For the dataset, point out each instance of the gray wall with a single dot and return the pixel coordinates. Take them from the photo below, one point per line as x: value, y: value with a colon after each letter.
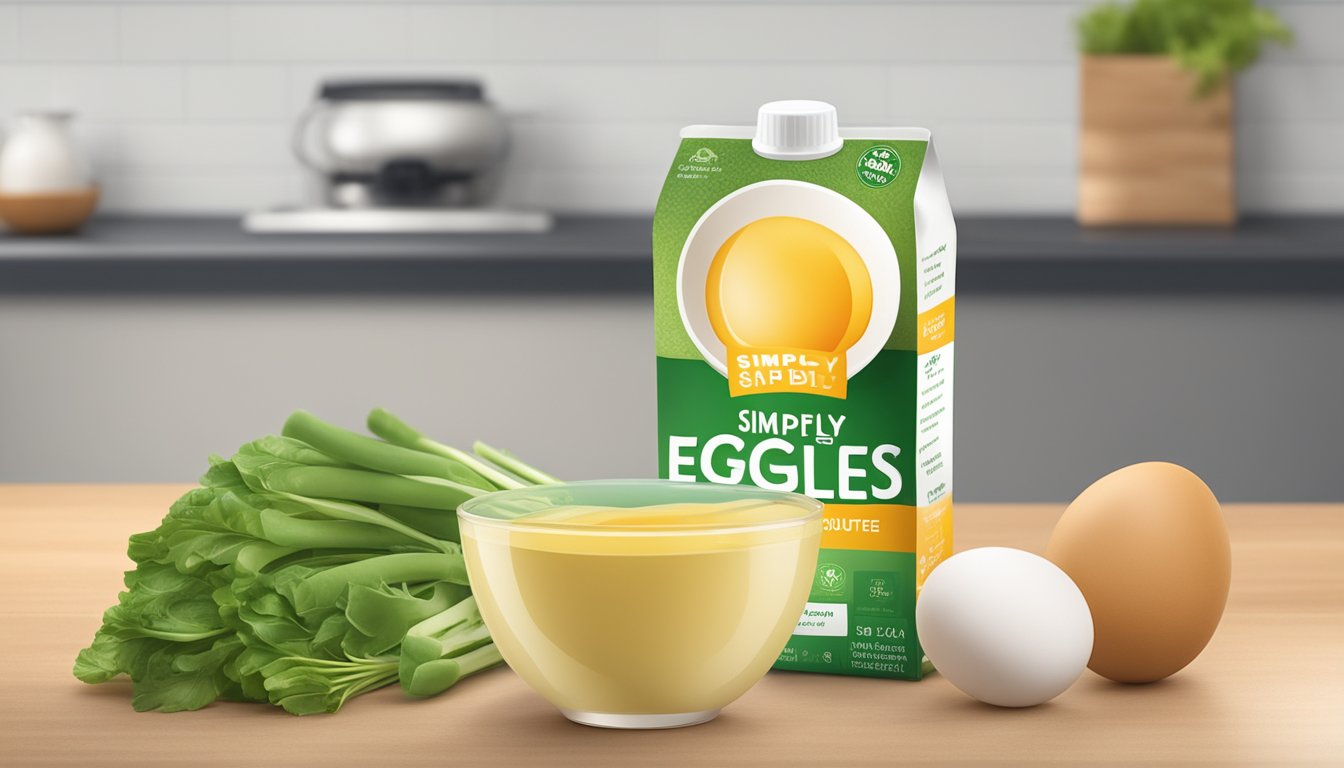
x: 1051, y: 392
x: 188, y: 106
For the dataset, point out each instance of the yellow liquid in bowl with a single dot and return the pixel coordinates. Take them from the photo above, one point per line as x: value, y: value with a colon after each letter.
x: 600, y: 615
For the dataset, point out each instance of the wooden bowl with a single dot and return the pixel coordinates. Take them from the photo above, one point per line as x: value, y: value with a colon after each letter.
x: 47, y: 213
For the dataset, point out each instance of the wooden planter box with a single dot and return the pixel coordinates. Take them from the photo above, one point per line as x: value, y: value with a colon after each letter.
x: 1150, y: 151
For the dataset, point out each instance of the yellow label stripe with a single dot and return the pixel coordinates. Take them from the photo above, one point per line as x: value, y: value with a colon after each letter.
x: 871, y: 527
x: 926, y: 531
x: 937, y: 327
x: 933, y: 526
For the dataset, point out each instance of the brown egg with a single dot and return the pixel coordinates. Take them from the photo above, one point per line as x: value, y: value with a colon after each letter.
x: 1148, y: 548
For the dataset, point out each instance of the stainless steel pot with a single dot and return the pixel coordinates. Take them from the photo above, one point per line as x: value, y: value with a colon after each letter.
x: 403, y: 142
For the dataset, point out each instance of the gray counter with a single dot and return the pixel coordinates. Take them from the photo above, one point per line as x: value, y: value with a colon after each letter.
x: 610, y: 254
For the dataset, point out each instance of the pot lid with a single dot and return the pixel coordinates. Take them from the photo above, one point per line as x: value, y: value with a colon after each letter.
x: 401, y: 90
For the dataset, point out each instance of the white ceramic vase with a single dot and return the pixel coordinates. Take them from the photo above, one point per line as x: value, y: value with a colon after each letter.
x: 45, y: 185
x: 41, y: 156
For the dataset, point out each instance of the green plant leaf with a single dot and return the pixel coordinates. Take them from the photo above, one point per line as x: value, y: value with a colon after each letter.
x: 381, y: 615
x: 1213, y: 39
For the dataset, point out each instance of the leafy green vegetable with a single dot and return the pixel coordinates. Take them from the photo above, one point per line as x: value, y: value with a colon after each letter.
x: 308, y: 569
x: 1211, y: 38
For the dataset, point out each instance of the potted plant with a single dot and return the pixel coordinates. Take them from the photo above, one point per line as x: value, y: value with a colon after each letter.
x: 1157, y: 142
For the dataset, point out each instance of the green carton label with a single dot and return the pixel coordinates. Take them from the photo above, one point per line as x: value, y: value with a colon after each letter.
x: 804, y: 319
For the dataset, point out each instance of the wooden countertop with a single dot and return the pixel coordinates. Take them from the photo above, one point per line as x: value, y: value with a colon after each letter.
x: 1268, y: 689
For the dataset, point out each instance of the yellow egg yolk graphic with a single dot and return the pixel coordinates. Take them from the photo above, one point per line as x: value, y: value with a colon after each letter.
x: 783, y: 281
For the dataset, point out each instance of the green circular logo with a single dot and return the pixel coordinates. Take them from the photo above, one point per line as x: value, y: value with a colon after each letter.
x: 830, y: 577
x: 879, y: 166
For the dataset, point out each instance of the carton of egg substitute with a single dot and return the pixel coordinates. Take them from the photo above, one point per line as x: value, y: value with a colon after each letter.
x: 803, y: 291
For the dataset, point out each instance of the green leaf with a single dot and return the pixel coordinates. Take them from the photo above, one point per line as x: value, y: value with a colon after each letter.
x: 322, y: 589
x: 107, y: 658
x: 165, y: 688
x: 307, y: 686
x: 381, y: 615
x: 162, y: 603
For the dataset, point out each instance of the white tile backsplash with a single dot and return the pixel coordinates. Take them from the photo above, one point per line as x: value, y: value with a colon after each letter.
x: 590, y: 33
x: 175, y: 33
x: 22, y: 86
x: 1030, y: 93
x: 336, y: 33
x: 1017, y: 190
x: 161, y: 146
x: 1001, y: 145
x: 114, y: 92
x: 9, y: 32
x: 687, y: 93
x: 227, y: 93
x: 1310, y: 93
x: 188, y: 106
x: 452, y: 32
x: 67, y: 33
x: 895, y: 32
x: 1290, y: 147
x: 1316, y: 28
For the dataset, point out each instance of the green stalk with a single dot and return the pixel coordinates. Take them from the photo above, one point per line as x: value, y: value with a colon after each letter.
x: 392, y: 429
x: 434, y: 677
x: 301, y: 533
x: 362, y: 485
x: 355, y: 448
x: 127, y: 631
x: 432, y: 652
x: 436, y: 522
x: 342, y: 510
x: 457, y: 642
x: 461, y: 613
x: 511, y: 463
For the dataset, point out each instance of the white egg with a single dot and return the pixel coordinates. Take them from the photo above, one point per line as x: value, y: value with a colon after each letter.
x: 1005, y: 626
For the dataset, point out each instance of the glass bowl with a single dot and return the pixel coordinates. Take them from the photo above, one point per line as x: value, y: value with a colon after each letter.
x: 640, y: 603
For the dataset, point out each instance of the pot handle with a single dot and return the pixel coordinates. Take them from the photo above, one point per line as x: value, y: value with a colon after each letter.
x: 302, y: 143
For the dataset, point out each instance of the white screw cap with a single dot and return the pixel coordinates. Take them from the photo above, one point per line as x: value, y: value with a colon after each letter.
x: 797, y: 130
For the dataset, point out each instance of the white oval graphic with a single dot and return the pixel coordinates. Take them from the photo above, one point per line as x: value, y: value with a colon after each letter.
x: 798, y: 199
